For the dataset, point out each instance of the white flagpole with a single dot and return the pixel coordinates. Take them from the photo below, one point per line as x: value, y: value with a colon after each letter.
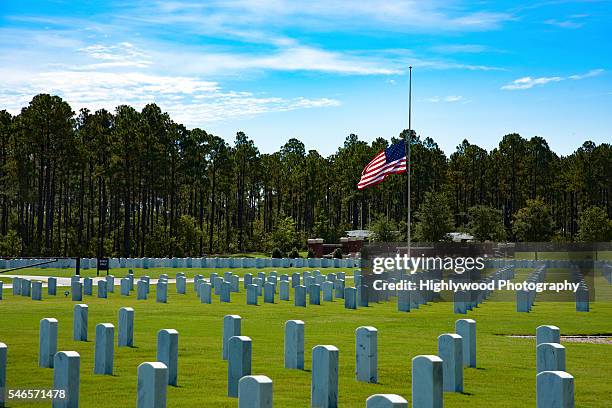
x: 408, y: 162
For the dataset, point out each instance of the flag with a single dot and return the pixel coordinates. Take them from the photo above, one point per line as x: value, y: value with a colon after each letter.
x: 392, y: 160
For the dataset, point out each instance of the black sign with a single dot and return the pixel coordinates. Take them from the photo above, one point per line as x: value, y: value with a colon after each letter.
x: 103, y: 264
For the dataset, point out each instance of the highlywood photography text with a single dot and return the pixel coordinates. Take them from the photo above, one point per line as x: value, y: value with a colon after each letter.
x: 458, y: 265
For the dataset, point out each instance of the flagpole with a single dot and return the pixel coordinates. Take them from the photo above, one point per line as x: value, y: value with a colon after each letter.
x: 408, y: 162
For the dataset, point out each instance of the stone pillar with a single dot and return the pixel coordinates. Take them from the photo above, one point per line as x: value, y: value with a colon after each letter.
x: 36, y: 290
x: 547, y: 334
x: 3, y: 353
x: 102, y: 289
x: 52, y: 286
x: 299, y: 294
x: 350, y: 298
x: 268, y: 292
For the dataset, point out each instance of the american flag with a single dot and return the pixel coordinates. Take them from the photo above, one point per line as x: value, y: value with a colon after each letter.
x: 392, y: 160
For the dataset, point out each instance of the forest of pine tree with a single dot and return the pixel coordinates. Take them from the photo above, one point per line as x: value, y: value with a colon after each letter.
x: 135, y: 183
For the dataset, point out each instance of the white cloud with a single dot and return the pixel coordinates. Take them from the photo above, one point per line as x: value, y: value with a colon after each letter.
x: 189, y: 100
x: 530, y: 82
x: 448, y: 98
x: 591, y: 73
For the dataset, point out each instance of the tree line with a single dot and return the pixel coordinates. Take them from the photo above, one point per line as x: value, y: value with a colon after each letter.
x: 136, y: 183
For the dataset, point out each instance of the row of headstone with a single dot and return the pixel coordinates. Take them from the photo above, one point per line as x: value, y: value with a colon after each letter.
x: 526, y: 298
x: 464, y: 301
x: 147, y: 263
x: 554, y: 386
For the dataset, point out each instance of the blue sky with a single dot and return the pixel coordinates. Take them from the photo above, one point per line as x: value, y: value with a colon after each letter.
x: 321, y: 69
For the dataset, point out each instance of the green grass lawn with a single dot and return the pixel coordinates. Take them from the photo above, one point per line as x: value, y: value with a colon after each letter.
x: 505, y: 376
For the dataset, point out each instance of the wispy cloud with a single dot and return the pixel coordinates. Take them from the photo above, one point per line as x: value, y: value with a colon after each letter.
x: 448, y: 98
x: 530, y: 82
x: 572, y: 22
x: 191, y: 101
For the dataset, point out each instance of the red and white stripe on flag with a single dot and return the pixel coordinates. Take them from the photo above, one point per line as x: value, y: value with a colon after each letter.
x: 379, y: 168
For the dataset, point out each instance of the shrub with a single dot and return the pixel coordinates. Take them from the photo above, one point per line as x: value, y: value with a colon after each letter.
x: 310, y: 254
x: 337, y: 253
x: 294, y: 253
x: 277, y: 253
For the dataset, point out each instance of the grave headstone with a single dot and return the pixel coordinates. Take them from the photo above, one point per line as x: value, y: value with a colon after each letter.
x: 324, y: 383
x: 36, y: 290
x: 125, y: 287
x: 366, y: 354
x: 217, y: 285
x: 466, y: 328
x: 386, y: 401
x: 328, y: 291
x: 284, y: 290
x: 26, y: 287
x: 181, y: 285
x: 547, y: 334
x: 450, y: 350
x: 77, y: 291
x: 162, y: 292
x: 225, y: 292
x: 152, y: 383
x: 141, y: 290
x: 239, y: 349
x: 52, y: 286
x: 79, y: 327
x: 251, y: 296
x: 16, y: 286
x: 47, y: 342
x: 205, y: 292
x: 295, y: 279
x: 231, y: 328
x: 235, y: 283
x: 125, y: 330
x: 294, y: 344
x: 110, y: 283
x: 339, y: 288
x: 66, y: 376
x: 315, y: 294
x: 104, y: 349
x: 299, y: 295
x: 268, y: 292
x: 554, y: 389
x: 255, y: 391
x: 102, y: 289
x: 88, y: 286
x: 427, y: 382
x: 248, y: 279
x: 167, y: 353
x: 3, y: 355
x: 550, y: 357
x: 350, y: 298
